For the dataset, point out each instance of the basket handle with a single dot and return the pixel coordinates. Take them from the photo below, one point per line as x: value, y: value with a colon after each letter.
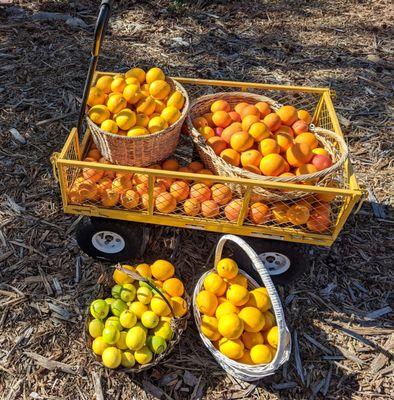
x: 99, y: 31
x: 284, y: 335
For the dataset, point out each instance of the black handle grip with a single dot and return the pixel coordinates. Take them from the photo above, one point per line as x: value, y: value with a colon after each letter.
x: 99, y: 31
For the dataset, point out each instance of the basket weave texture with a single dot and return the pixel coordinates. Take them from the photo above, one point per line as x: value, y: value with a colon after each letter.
x: 141, y: 151
x: 331, y: 141
x: 238, y: 370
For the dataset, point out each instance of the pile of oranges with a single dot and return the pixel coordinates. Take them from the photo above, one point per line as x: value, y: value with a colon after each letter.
x: 135, y: 103
x: 259, y: 140
x: 238, y: 321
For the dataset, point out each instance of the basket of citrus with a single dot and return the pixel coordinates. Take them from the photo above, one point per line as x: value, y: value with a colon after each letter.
x: 241, y: 324
x: 137, y: 323
x: 136, y: 118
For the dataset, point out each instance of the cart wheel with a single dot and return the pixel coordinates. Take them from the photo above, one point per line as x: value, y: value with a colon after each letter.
x: 111, y: 240
x: 285, y: 262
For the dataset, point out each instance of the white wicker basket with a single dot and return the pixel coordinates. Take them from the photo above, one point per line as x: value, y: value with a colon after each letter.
x: 238, y: 370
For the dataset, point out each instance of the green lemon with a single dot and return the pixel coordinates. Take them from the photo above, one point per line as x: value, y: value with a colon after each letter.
x: 96, y: 327
x: 163, y: 329
x: 109, y: 300
x: 157, y: 344
x: 116, y: 290
x: 112, y: 357
x: 136, y: 338
x: 149, y: 319
x: 138, y: 308
x: 128, y: 359
x: 128, y: 319
x: 98, y: 346
x: 114, y: 321
x: 143, y: 355
x: 144, y: 295
x: 111, y: 335
x: 143, y: 284
x: 121, y: 342
x: 118, y: 306
x: 128, y: 292
x: 99, y: 309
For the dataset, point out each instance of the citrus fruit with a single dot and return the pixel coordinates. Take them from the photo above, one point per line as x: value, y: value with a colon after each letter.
x: 157, y: 124
x: 96, y: 96
x: 251, y: 339
x: 273, y: 336
x: 136, y: 337
x: 143, y: 355
x: 260, y: 354
x: 226, y: 308
x: 99, y: 309
x: 262, y: 290
x: 246, y: 359
x: 111, y: 357
x: 233, y: 349
x: 176, y: 99
x: 120, y: 277
x: 138, y: 308
x: 154, y: 74
x: 104, y: 83
x: 209, y: 327
x: 126, y: 119
x: 114, y: 321
x: 157, y: 344
x: 116, y: 103
x: 121, y: 342
x: 239, y: 280
x: 174, y: 287
x: 159, y: 306
x: 207, y: 302
x: 110, y: 334
x: 227, y: 268
x: 162, y: 270
x: 118, y: 84
x: 213, y: 283
x: 115, y: 291
x: 144, y: 270
x: 118, y: 306
x: 230, y: 326
x: 179, y: 306
x: 270, y: 320
x: 99, y: 114
x: 237, y: 295
x: 259, y: 300
x: 127, y: 319
x: 170, y: 114
x: 138, y: 73
x: 253, y: 319
x: 149, y: 319
x: 98, y: 346
x: 128, y: 292
x: 109, y: 300
x: 163, y: 329
x: 144, y: 295
x: 128, y: 359
x: 159, y: 89
x: 96, y: 327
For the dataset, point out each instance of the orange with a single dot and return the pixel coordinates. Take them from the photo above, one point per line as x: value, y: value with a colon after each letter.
x: 154, y: 74
x: 259, y: 300
x: 227, y: 268
x: 233, y: 349
x: 207, y: 303
x: 121, y: 183
x: 180, y: 190
x: 92, y: 175
x: 307, y: 169
x: 241, y: 141
x: 215, y: 284
x: 159, y: 89
x: 207, y: 132
x: 224, y: 308
x: 308, y: 138
x: 259, y: 131
x: 185, y: 169
x: 285, y: 129
x: 96, y: 96
x: 136, y: 73
x: 109, y: 125
x: 270, y: 320
x: 104, y: 83
x: 221, y: 193
x: 269, y: 146
x: 199, y: 122
x: 299, y: 154
x: 205, y: 171
x: 284, y: 141
x: 240, y: 106
x: 141, y: 188
x: 209, y: 327
x: 253, y: 169
x: 131, y: 93
x: 171, y: 114
x: 218, y: 144
x: 109, y: 198
x: 209, y: 209
x: 318, y: 222
x: 288, y: 115
x: 299, y: 127
x: 102, y: 185
x: 231, y: 156
x: 259, y: 213
x: 237, y: 295
x: 233, y: 209
x: 221, y: 118
x: 228, y: 132
x: 195, y: 166
x: 170, y: 164
x: 321, y: 151
x: 129, y: 199
x: 200, y: 192
x: 179, y: 305
x: 298, y: 214
x: 279, y: 211
x: 305, y: 116
x: 273, y: 121
x: 272, y: 164
x: 167, y: 182
x: 162, y: 270
x: 158, y: 188
x: 191, y: 207
x: 165, y: 203
x: 230, y: 326
x: 251, y: 339
x: 249, y: 110
x: 238, y: 280
x: 251, y: 157
x: 264, y: 108
x: 174, y: 287
x: 220, y: 105
x: 208, y: 118
x: 248, y: 121
x: 252, y: 318
x: 235, y: 116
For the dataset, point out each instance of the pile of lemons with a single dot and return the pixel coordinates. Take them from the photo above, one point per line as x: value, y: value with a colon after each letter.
x: 135, y: 323
x: 135, y: 103
x: 237, y: 320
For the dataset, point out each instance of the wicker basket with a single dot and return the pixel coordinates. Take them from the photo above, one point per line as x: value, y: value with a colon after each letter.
x: 238, y: 370
x: 141, y: 151
x: 331, y: 141
x: 178, y: 324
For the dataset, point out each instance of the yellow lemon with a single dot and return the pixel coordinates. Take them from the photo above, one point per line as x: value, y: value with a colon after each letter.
x: 120, y: 277
x: 273, y: 336
x: 144, y: 295
x: 179, y: 305
x: 126, y: 119
x: 138, y: 73
x: 273, y: 350
x: 251, y: 339
x: 157, y: 124
x: 127, y: 319
x: 136, y: 338
x: 137, y: 131
x: 171, y: 114
x: 209, y: 327
x: 117, y: 85
x: 144, y: 90
x: 230, y: 326
x: 154, y: 74
x: 222, y: 299
x: 262, y: 290
x: 239, y: 280
x: 159, y: 306
x: 146, y: 106
x: 104, y: 83
x: 260, y: 354
x: 98, y: 346
x: 109, y: 126
x: 96, y: 327
x: 246, y: 359
x: 142, y: 120
x: 162, y: 270
x: 143, y: 356
x: 253, y: 319
x: 159, y: 89
x: 176, y: 100
x: 121, y: 343
x: 259, y: 300
x: 207, y: 302
x: 110, y: 334
x: 138, y: 308
x: 226, y: 308
x: 111, y: 357
x: 160, y: 106
x: 163, y: 329
x: 132, y: 81
x: 215, y: 284
x: 116, y: 103
x: 96, y: 96
x: 128, y: 360
x: 99, y: 113
x: 237, y: 295
x: 233, y: 349
x: 131, y: 93
x: 227, y: 268
x: 270, y: 320
x: 144, y: 270
x: 149, y: 319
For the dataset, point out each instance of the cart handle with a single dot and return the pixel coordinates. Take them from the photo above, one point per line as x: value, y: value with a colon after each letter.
x: 99, y: 31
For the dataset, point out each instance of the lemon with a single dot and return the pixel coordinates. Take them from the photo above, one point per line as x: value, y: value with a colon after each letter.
x: 144, y: 295
x: 171, y: 114
x: 131, y: 93
x: 237, y: 295
x: 99, y: 309
x: 273, y: 336
x: 163, y: 329
x: 144, y: 90
x: 160, y: 106
x: 143, y: 356
x: 162, y: 270
x: 209, y: 327
x: 157, y: 344
x: 139, y: 324
x: 246, y: 359
x: 138, y: 73
x: 109, y: 300
x: 142, y: 120
x: 96, y: 96
x: 159, y: 89
x: 99, y: 113
x: 259, y: 300
x: 120, y: 277
x: 111, y: 357
x: 128, y: 292
x: 253, y: 319
x: 128, y: 319
x: 144, y: 269
x: 96, y: 327
x: 121, y: 342
x: 146, y: 106
x: 118, y: 306
x: 260, y: 354
x: 179, y: 306
x: 157, y: 124
x: 227, y: 268
x: 125, y: 119
x: 159, y: 306
x: 137, y: 131
x: 104, y: 83
x: 154, y: 74
x: 136, y: 338
x: 239, y: 280
x: 114, y: 321
x: 262, y: 290
x: 215, y: 284
x: 118, y: 84
x: 110, y: 335
x: 98, y: 346
x: 233, y: 349
x: 272, y: 349
x: 226, y: 308
x: 132, y: 81
x: 116, y: 103
x: 138, y: 308
x: 166, y: 319
x: 251, y: 339
x: 109, y: 126
x: 230, y: 326
x: 207, y: 302
x: 176, y: 100
x: 128, y: 359
x: 269, y: 320
x: 116, y: 290
x: 149, y: 319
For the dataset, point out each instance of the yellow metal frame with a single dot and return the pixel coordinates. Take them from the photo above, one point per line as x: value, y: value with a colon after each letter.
x: 351, y: 194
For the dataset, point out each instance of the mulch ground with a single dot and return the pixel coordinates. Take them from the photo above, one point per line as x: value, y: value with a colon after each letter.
x: 339, y: 312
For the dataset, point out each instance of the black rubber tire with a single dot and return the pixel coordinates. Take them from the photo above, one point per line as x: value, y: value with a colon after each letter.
x: 297, y: 254
x: 129, y: 231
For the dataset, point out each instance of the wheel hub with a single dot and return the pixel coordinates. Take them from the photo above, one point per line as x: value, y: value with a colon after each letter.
x: 276, y: 263
x: 108, y: 242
